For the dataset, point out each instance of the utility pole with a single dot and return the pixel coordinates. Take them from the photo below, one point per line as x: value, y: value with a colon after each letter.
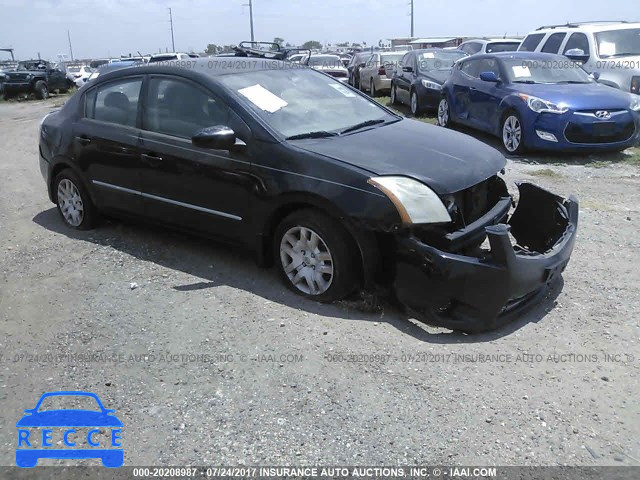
x: 411, y: 18
x: 250, y: 5
x: 70, y: 49
x: 173, y: 43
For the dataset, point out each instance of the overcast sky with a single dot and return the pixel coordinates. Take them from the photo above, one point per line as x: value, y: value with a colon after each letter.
x: 114, y: 27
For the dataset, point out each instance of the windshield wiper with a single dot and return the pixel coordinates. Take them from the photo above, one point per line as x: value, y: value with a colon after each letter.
x: 524, y: 81
x: 318, y: 134
x: 577, y: 82
x: 358, y: 126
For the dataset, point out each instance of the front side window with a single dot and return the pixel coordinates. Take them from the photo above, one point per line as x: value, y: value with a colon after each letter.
x: 115, y: 102
x: 577, y: 40
x: 181, y: 109
x: 471, y: 68
x: 298, y: 101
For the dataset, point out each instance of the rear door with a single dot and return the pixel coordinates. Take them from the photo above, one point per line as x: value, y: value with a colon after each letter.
x: 200, y: 189
x: 106, y: 144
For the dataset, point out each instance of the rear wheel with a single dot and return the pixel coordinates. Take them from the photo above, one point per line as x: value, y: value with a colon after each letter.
x: 41, y: 90
x: 512, y: 135
x: 315, y: 256
x: 372, y: 88
x: 74, y: 204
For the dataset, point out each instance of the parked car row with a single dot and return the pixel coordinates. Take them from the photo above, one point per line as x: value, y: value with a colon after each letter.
x: 37, y: 77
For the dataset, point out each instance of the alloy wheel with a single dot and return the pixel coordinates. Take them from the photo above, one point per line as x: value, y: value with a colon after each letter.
x: 511, y: 133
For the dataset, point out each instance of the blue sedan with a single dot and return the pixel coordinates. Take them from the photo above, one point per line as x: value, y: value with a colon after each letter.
x: 538, y: 101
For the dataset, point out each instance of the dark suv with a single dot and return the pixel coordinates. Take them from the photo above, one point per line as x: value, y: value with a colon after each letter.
x: 35, y: 76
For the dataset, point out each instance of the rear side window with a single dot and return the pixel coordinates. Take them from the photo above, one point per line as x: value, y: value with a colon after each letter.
x: 577, y: 40
x: 553, y: 43
x: 115, y: 102
x: 531, y: 42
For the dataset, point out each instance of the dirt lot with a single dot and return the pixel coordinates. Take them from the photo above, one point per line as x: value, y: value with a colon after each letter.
x: 539, y: 391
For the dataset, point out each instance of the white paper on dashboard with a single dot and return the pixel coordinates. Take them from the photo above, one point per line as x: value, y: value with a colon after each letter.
x: 521, y: 71
x: 263, y: 98
x: 607, y: 48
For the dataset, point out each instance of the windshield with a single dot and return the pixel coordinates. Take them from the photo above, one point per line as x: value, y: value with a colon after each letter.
x: 544, y: 71
x: 297, y: 101
x: 162, y: 58
x: 618, y: 43
x: 30, y: 66
x: 494, y: 47
x: 325, y: 61
x: 444, y: 60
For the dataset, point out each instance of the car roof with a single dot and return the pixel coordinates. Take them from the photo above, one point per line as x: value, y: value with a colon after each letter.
x: 588, y: 27
x: 491, y: 40
x: 516, y: 56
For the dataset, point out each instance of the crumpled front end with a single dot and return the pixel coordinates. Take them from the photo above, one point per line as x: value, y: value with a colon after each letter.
x: 483, y: 290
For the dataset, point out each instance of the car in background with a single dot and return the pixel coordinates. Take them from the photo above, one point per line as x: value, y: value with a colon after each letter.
x: 492, y: 45
x: 298, y: 58
x: 418, y: 78
x: 329, y: 64
x: 530, y: 100
x: 609, y: 50
x: 355, y: 64
x: 110, y: 67
x: 79, y: 74
x: 373, y: 76
x: 339, y: 192
x: 37, y: 77
x: 167, y: 57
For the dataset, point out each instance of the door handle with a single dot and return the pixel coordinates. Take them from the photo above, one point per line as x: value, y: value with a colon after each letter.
x: 152, y: 160
x: 83, y: 140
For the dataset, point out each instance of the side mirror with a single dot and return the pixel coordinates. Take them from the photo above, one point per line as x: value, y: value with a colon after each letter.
x: 577, y: 55
x: 407, y: 69
x: 218, y: 137
x: 489, y: 77
x: 595, y: 75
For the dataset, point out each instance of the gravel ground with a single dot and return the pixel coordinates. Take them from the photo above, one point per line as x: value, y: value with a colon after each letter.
x: 537, y: 392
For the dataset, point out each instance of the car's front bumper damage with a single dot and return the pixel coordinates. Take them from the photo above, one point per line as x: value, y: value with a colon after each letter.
x: 477, y: 293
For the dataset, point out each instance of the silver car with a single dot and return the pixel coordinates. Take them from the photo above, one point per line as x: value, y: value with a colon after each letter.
x: 373, y: 76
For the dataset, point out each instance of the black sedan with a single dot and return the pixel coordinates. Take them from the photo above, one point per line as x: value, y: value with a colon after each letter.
x: 304, y: 171
x: 418, y: 78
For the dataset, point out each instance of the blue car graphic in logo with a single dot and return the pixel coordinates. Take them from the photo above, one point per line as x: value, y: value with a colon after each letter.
x: 27, y: 453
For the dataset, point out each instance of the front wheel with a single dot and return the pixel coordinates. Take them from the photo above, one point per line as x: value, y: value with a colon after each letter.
x: 415, y: 104
x: 315, y: 256
x: 512, y: 135
x: 74, y: 204
x: 394, y: 97
x: 444, y: 113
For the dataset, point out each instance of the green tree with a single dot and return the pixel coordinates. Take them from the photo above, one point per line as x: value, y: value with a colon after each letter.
x: 311, y: 44
x: 211, y: 49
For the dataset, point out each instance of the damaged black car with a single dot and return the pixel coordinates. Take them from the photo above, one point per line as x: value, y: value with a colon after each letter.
x: 339, y: 192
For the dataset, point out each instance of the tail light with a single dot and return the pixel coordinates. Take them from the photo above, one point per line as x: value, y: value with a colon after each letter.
x: 635, y: 85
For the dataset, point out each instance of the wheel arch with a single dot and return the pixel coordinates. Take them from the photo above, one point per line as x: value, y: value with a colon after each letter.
x: 63, y: 164
x: 364, y: 241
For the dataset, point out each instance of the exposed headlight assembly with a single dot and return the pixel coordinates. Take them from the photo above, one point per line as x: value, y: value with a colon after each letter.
x: 431, y: 85
x: 635, y: 103
x: 539, y: 105
x: 415, y: 202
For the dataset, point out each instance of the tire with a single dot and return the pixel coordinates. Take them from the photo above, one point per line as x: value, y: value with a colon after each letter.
x: 298, y: 239
x: 73, y: 200
x: 414, y: 104
x: 394, y: 95
x: 372, y: 89
x: 512, y: 134
x: 444, y: 113
x: 41, y: 90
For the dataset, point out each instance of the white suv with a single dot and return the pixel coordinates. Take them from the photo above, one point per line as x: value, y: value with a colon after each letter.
x: 609, y: 50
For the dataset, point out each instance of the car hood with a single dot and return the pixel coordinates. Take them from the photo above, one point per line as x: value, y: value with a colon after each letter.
x: 438, y: 76
x: 589, y: 96
x: 69, y: 418
x: 445, y: 160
